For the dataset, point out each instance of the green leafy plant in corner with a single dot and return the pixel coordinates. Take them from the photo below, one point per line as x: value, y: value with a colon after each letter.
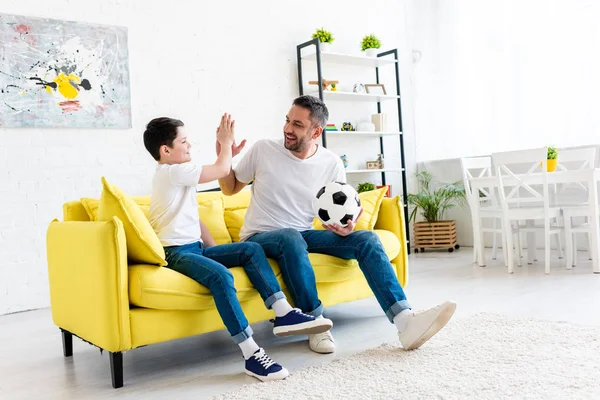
x: 552, y: 153
x: 323, y: 36
x: 370, y: 42
x: 365, y: 187
x: 433, y: 203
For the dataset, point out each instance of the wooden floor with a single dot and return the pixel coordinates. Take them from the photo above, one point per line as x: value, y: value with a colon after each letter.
x: 32, y: 366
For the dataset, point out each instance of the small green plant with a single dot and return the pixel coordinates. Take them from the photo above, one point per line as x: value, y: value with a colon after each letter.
x: 323, y: 36
x: 365, y: 187
x: 434, y: 203
x: 552, y: 153
x: 370, y: 42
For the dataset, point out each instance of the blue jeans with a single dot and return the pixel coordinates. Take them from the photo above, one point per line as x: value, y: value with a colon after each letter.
x: 290, y: 248
x: 209, y: 267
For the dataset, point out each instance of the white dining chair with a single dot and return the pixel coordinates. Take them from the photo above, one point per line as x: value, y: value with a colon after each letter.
x: 483, y: 206
x: 521, y: 200
x: 570, y: 160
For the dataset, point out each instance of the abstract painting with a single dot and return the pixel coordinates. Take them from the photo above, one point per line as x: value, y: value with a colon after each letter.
x: 56, y: 73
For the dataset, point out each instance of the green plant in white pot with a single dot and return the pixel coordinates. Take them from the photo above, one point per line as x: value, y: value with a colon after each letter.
x: 325, y: 37
x: 370, y: 44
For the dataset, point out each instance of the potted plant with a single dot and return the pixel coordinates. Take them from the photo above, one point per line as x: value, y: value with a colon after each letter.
x: 552, y: 159
x: 435, y: 232
x: 370, y: 44
x: 365, y: 187
x: 325, y: 37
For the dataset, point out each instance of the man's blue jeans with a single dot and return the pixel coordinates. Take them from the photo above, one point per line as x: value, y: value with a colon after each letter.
x: 209, y: 267
x: 290, y: 248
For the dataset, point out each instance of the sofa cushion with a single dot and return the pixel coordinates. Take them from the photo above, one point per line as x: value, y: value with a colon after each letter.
x: 234, y: 219
x: 371, y: 203
x: 211, y: 212
x: 164, y: 289
x: 91, y: 207
x: 143, y: 245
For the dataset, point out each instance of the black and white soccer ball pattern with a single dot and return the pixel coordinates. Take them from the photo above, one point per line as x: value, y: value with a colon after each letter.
x: 337, y: 203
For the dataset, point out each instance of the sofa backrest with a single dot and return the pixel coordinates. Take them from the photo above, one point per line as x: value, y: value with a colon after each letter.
x: 224, y: 215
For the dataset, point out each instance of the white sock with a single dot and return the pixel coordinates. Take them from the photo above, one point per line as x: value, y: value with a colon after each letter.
x: 248, y: 347
x: 281, y: 307
x: 401, y: 319
x: 320, y: 317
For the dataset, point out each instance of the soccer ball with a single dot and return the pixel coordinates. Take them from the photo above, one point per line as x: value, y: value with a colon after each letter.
x: 337, y: 203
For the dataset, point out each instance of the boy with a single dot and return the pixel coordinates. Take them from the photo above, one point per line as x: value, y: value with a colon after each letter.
x: 174, y: 217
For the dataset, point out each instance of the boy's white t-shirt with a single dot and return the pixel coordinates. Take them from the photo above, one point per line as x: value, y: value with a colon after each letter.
x: 173, y: 205
x: 284, y: 186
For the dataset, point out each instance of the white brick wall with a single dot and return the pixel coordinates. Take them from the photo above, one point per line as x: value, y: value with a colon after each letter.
x: 187, y: 60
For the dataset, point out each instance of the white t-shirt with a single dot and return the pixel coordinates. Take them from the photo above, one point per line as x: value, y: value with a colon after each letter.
x: 173, y: 205
x: 284, y: 186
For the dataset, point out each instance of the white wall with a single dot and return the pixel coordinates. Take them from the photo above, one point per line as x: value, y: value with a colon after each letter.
x: 501, y: 75
x: 189, y: 60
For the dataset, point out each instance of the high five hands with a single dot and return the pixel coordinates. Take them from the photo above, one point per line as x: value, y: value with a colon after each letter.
x: 226, y: 135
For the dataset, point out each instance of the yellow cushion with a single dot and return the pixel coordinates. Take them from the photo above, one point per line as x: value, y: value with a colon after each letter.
x: 234, y: 219
x: 91, y: 207
x: 239, y: 200
x: 211, y: 212
x: 143, y: 245
x: 370, y: 202
x: 164, y: 289
x: 203, y: 197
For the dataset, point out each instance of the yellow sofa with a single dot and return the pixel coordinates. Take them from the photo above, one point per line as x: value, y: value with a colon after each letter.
x: 98, y: 296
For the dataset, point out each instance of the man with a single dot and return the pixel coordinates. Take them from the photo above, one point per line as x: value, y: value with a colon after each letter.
x: 286, y: 176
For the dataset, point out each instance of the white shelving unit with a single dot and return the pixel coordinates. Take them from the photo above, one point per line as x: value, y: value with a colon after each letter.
x: 351, y: 96
x: 358, y: 133
x: 368, y: 171
x: 347, y: 59
x: 384, y: 59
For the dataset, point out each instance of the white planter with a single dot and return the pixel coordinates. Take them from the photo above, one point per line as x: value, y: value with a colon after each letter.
x: 371, y: 52
x: 325, y: 47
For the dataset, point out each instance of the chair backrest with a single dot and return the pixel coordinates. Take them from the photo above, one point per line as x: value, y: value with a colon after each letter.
x: 477, y: 167
x: 515, y: 170
x: 576, y: 159
x: 569, y: 160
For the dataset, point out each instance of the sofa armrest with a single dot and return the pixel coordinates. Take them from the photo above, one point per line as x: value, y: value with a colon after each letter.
x: 391, y: 218
x: 87, y: 271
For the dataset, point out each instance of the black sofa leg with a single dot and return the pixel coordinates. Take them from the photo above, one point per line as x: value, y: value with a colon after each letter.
x: 67, y: 339
x: 116, y: 369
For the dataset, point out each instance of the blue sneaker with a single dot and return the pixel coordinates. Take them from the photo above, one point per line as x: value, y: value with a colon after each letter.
x: 260, y: 366
x: 297, y: 323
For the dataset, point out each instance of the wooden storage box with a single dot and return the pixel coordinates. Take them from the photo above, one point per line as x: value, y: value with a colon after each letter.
x: 435, y: 235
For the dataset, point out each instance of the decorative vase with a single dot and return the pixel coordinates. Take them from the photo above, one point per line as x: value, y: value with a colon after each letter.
x: 551, y: 165
x: 325, y: 47
x: 371, y: 52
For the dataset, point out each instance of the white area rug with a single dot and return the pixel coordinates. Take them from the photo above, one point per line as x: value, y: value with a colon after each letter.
x: 486, y: 356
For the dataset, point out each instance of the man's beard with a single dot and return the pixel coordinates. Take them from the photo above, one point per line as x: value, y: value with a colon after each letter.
x: 298, y: 146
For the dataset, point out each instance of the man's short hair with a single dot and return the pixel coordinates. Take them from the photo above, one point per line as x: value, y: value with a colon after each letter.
x: 318, y: 110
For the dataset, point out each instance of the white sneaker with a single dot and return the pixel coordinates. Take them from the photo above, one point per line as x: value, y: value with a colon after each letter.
x: 321, y: 343
x: 422, y: 325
